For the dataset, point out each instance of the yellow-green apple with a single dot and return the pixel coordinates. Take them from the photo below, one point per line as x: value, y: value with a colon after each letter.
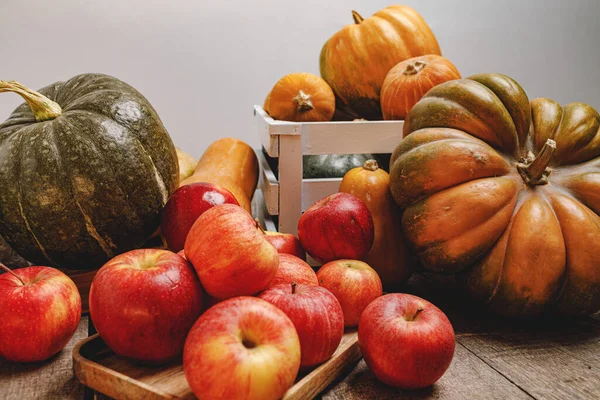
x: 406, y: 341
x: 354, y: 283
x: 144, y: 302
x: 339, y: 226
x: 317, y: 316
x: 292, y: 269
x: 40, y: 308
x: 184, y: 207
x: 230, y: 255
x: 285, y: 243
x: 242, y: 348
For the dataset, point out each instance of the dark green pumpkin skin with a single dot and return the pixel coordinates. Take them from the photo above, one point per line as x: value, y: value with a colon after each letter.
x: 331, y: 165
x: 90, y: 184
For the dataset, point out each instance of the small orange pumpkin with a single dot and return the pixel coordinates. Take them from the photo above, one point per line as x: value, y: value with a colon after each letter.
x: 300, y: 97
x: 409, y: 80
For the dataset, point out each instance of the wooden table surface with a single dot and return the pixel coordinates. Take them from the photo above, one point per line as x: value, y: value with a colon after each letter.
x: 494, y: 359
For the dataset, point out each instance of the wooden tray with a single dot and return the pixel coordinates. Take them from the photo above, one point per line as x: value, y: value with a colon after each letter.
x: 97, y: 367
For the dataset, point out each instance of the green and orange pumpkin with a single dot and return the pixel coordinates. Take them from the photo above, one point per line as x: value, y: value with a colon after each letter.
x: 506, y: 192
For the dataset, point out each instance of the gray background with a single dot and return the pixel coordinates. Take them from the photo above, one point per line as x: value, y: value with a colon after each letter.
x: 204, y: 64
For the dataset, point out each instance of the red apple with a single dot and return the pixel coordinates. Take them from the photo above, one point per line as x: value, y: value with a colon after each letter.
x: 292, y: 269
x: 406, y: 341
x: 317, y: 316
x: 336, y: 227
x: 40, y: 308
x: 354, y: 283
x: 184, y: 207
x: 144, y: 302
x: 286, y: 243
x: 232, y: 257
x: 242, y: 348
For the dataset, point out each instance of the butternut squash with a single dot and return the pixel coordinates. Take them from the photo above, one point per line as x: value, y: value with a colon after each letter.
x: 389, y: 255
x: 230, y: 163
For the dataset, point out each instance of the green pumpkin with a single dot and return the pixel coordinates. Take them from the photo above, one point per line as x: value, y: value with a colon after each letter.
x: 86, y: 167
x: 331, y: 165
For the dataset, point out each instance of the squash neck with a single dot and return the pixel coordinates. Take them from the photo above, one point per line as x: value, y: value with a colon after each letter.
x: 42, y: 107
x: 534, y: 169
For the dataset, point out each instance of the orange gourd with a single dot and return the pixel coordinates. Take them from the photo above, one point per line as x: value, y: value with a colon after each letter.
x: 389, y: 255
x: 300, y: 97
x: 505, y: 191
x: 230, y: 163
x: 356, y: 59
x: 409, y: 80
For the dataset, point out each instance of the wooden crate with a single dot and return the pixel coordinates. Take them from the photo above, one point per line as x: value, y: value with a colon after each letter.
x: 289, y: 194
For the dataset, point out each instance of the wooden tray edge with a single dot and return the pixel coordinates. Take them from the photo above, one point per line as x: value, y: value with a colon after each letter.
x: 100, y: 375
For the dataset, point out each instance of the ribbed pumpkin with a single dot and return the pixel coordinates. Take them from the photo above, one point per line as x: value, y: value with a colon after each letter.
x: 300, y: 97
x: 389, y: 255
x: 506, y: 191
x: 356, y: 59
x: 86, y: 167
x: 409, y: 80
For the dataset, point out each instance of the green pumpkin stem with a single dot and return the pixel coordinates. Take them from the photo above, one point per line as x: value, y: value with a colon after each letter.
x: 303, y: 101
x: 534, y: 169
x: 43, y: 108
x: 357, y: 17
x: 10, y: 271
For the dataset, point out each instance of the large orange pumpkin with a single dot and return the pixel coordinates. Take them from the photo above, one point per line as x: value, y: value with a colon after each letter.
x: 409, y: 80
x: 355, y: 60
x: 505, y: 190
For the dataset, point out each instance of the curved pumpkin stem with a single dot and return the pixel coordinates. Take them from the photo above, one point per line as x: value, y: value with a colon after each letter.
x: 357, y: 17
x: 43, y: 108
x: 534, y: 169
x: 371, y: 165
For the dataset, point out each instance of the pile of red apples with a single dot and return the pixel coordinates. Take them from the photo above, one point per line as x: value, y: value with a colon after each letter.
x: 239, y: 305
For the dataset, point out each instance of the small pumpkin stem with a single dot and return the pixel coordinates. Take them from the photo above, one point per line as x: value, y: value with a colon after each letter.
x: 534, y: 170
x: 303, y: 101
x: 414, y: 67
x: 43, y: 108
x: 10, y: 271
x: 371, y: 165
x: 357, y: 17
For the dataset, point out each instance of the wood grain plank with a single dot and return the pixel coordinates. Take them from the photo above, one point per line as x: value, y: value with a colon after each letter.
x: 558, y: 363
x: 468, y: 377
x: 51, y: 379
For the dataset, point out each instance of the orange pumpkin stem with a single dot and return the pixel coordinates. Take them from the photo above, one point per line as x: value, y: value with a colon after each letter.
x: 414, y: 67
x: 371, y: 165
x: 534, y: 170
x: 303, y: 101
x: 4, y: 267
x: 43, y: 108
x: 357, y: 17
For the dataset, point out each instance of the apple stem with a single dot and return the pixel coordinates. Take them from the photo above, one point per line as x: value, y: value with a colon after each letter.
x: 293, y: 287
x: 4, y: 267
x: 259, y: 226
x: 417, y: 313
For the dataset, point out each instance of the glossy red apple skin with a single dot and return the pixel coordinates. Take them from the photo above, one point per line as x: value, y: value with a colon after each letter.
x: 354, y: 283
x: 37, y: 320
x: 286, y: 243
x: 232, y: 257
x: 184, y: 207
x: 339, y: 226
x: 242, y: 348
x: 143, y: 303
x: 402, y: 352
x: 317, y: 316
x: 293, y: 269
